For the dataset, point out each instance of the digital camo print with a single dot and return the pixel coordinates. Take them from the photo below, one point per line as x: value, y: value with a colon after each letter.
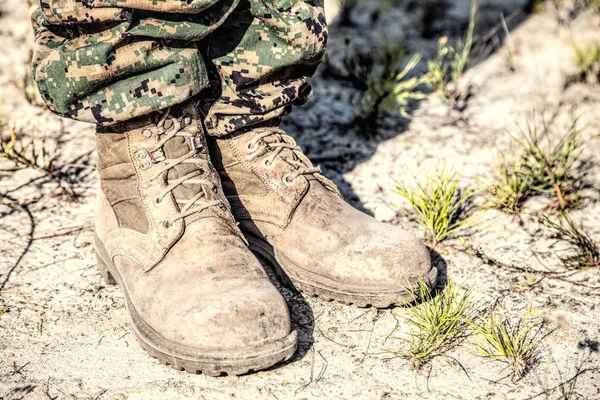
x: 107, y: 61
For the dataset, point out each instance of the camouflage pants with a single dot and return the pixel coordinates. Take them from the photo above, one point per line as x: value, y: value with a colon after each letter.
x: 107, y: 61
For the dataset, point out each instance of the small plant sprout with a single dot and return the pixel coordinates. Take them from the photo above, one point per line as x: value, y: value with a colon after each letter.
x: 357, y: 68
x: 530, y: 279
x: 405, y: 89
x: 383, y: 88
x: 35, y: 154
x: 23, y: 154
x: 554, y: 166
x: 450, y: 63
x: 437, y: 201
x: 389, y: 91
x: 511, y: 184
x: 582, y: 252
x: 588, y: 62
x: 514, y: 340
x: 438, y: 324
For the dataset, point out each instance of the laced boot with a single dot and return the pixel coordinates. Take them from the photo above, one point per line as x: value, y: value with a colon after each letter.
x: 296, y: 218
x: 199, y: 299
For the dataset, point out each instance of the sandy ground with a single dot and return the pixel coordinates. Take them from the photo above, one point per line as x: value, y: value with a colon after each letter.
x: 64, y: 335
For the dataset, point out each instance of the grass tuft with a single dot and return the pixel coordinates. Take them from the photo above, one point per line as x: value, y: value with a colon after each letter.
x: 384, y: 87
x: 357, y: 68
x: 554, y: 166
x: 438, y: 203
x: 24, y: 154
x: 387, y: 90
x: 511, y: 185
x: 541, y: 165
x: 582, y: 252
x: 34, y: 153
x: 588, y: 62
x: 438, y: 324
x: 406, y: 89
x: 515, y: 341
x: 450, y: 63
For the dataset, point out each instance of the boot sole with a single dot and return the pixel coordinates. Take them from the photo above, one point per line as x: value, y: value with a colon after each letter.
x: 294, y: 277
x: 189, y: 359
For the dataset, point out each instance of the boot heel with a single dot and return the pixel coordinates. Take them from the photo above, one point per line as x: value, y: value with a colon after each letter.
x: 102, y: 263
x: 104, y: 271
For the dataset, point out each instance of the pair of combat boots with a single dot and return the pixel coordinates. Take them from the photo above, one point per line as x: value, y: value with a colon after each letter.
x: 180, y: 215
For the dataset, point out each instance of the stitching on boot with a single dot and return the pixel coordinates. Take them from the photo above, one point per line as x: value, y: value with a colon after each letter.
x: 267, y: 183
x: 151, y: 221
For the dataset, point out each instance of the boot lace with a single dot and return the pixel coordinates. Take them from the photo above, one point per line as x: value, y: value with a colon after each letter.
x: 276, y: 146
x: 199, y: 201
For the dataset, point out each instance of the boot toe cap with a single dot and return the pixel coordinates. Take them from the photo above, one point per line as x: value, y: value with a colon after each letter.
x: 243, y: 317
x: 393, y: 259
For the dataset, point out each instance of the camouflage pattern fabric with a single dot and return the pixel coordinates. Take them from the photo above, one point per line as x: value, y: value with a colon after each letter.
x: 107, y: 61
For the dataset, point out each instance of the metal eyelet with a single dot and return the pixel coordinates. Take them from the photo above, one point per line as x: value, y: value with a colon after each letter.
x: 197, y: 143
x: 287, y: 181
x: 147, y: 133
x: 144, y: 159
x: 158, y: 155
x: 157, y: 201
x: 142, y: 154
x: 166, y: 224
x: 251, y: 148
x: 187, y: 120
x: 266, y: 164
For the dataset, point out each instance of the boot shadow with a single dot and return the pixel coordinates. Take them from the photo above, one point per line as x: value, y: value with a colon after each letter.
x: 303, y: 320
x: 442, y: 267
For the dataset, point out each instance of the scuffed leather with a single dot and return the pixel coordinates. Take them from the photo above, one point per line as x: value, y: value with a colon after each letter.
x: 196, y: 282
x: 313, y: 227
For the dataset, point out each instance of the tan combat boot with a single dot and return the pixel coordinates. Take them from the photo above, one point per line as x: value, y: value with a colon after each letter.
x: 296, y: 218
x: 199, y: 299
